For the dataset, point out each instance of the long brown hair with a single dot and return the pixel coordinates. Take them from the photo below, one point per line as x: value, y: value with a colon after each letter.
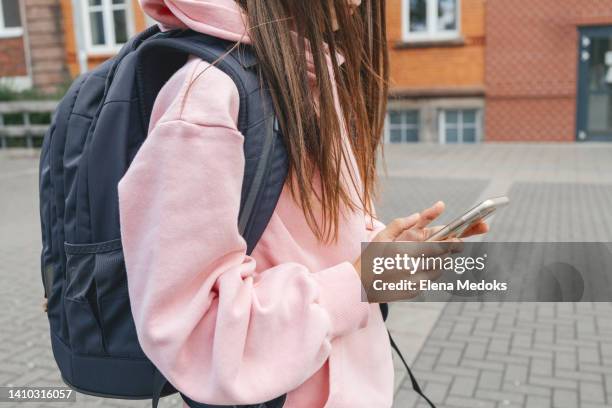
x: 282, y: 32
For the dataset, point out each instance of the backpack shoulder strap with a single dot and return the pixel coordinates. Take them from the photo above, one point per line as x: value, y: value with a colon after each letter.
x: 266, y: 164
x: 415, y: 384
x: 384, y: 310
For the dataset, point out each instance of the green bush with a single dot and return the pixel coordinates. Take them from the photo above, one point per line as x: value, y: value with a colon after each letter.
x: 12, y: 119
x: 7, y: 93
x: 16, y: 142
x: 40, y: 118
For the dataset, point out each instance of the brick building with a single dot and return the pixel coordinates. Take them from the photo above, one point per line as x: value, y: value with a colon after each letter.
x: 31, y: 44
x: 46, y: 43
x: 499, y: 70
x: 462, y: 71
x: 548, y: 70
x: 95, y: 30
x: 437, y: 52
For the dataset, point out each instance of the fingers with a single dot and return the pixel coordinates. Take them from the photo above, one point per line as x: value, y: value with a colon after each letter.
x: 457, y: 246
x: 430, y: 214
x: 431, y: 275
x: 430, y: 249
x: 428, y: 232
x: 396, y: 227
x: 476, y: 229
x: 425, y: 256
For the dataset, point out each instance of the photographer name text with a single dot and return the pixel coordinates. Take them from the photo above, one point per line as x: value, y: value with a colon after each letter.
x: 428, y: 285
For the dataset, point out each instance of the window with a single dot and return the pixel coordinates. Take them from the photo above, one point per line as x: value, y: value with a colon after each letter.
x: 403, y: 126
x: 108, y: 24
x: 460, y: 126
x: 10, y: 19
x: 430, y: 19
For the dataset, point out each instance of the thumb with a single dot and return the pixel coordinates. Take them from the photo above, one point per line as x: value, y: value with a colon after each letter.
x: 396, y: 227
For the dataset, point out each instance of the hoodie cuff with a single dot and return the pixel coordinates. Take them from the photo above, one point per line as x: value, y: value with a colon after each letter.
x: 340, y: 295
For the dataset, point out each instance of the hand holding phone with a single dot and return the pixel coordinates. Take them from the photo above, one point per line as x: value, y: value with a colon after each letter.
x: 457, y: 227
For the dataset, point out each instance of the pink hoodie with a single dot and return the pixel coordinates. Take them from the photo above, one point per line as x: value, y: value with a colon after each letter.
x: 223, y: 327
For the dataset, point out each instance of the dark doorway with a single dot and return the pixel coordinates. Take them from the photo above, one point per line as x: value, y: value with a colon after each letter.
x: 594, y: 121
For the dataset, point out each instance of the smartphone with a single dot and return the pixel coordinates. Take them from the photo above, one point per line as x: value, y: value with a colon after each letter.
x: 458, y: 226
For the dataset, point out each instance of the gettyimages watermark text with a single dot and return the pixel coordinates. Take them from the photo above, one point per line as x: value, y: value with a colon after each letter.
x: 500, y: 271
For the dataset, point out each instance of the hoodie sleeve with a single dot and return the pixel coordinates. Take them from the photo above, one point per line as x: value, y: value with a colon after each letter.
x: 219, y: 331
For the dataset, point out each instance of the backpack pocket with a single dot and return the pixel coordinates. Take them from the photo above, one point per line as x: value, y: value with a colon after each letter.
x: 97, y: 301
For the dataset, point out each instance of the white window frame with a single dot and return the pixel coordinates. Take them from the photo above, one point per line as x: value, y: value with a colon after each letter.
x: 107, y: 8
x: 10, y: 32
x: 432, y: 33
x: 388, y: 125
x: 442, y: 124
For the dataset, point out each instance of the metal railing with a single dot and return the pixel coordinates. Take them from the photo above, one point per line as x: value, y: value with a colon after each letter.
x: 24, y: 123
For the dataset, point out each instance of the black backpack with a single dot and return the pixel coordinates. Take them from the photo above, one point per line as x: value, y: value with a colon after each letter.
x: 96, y: 131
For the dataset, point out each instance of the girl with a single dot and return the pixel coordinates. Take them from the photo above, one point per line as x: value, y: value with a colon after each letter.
x: 226, y: 328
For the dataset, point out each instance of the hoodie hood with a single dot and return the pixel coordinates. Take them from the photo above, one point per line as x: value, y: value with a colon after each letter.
x: 219, y: 18
x: 223, y: 19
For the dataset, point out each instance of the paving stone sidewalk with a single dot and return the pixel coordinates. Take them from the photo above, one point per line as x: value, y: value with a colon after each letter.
x: 517, y: 355
x: 539, y: 355
x: 467, y: 355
